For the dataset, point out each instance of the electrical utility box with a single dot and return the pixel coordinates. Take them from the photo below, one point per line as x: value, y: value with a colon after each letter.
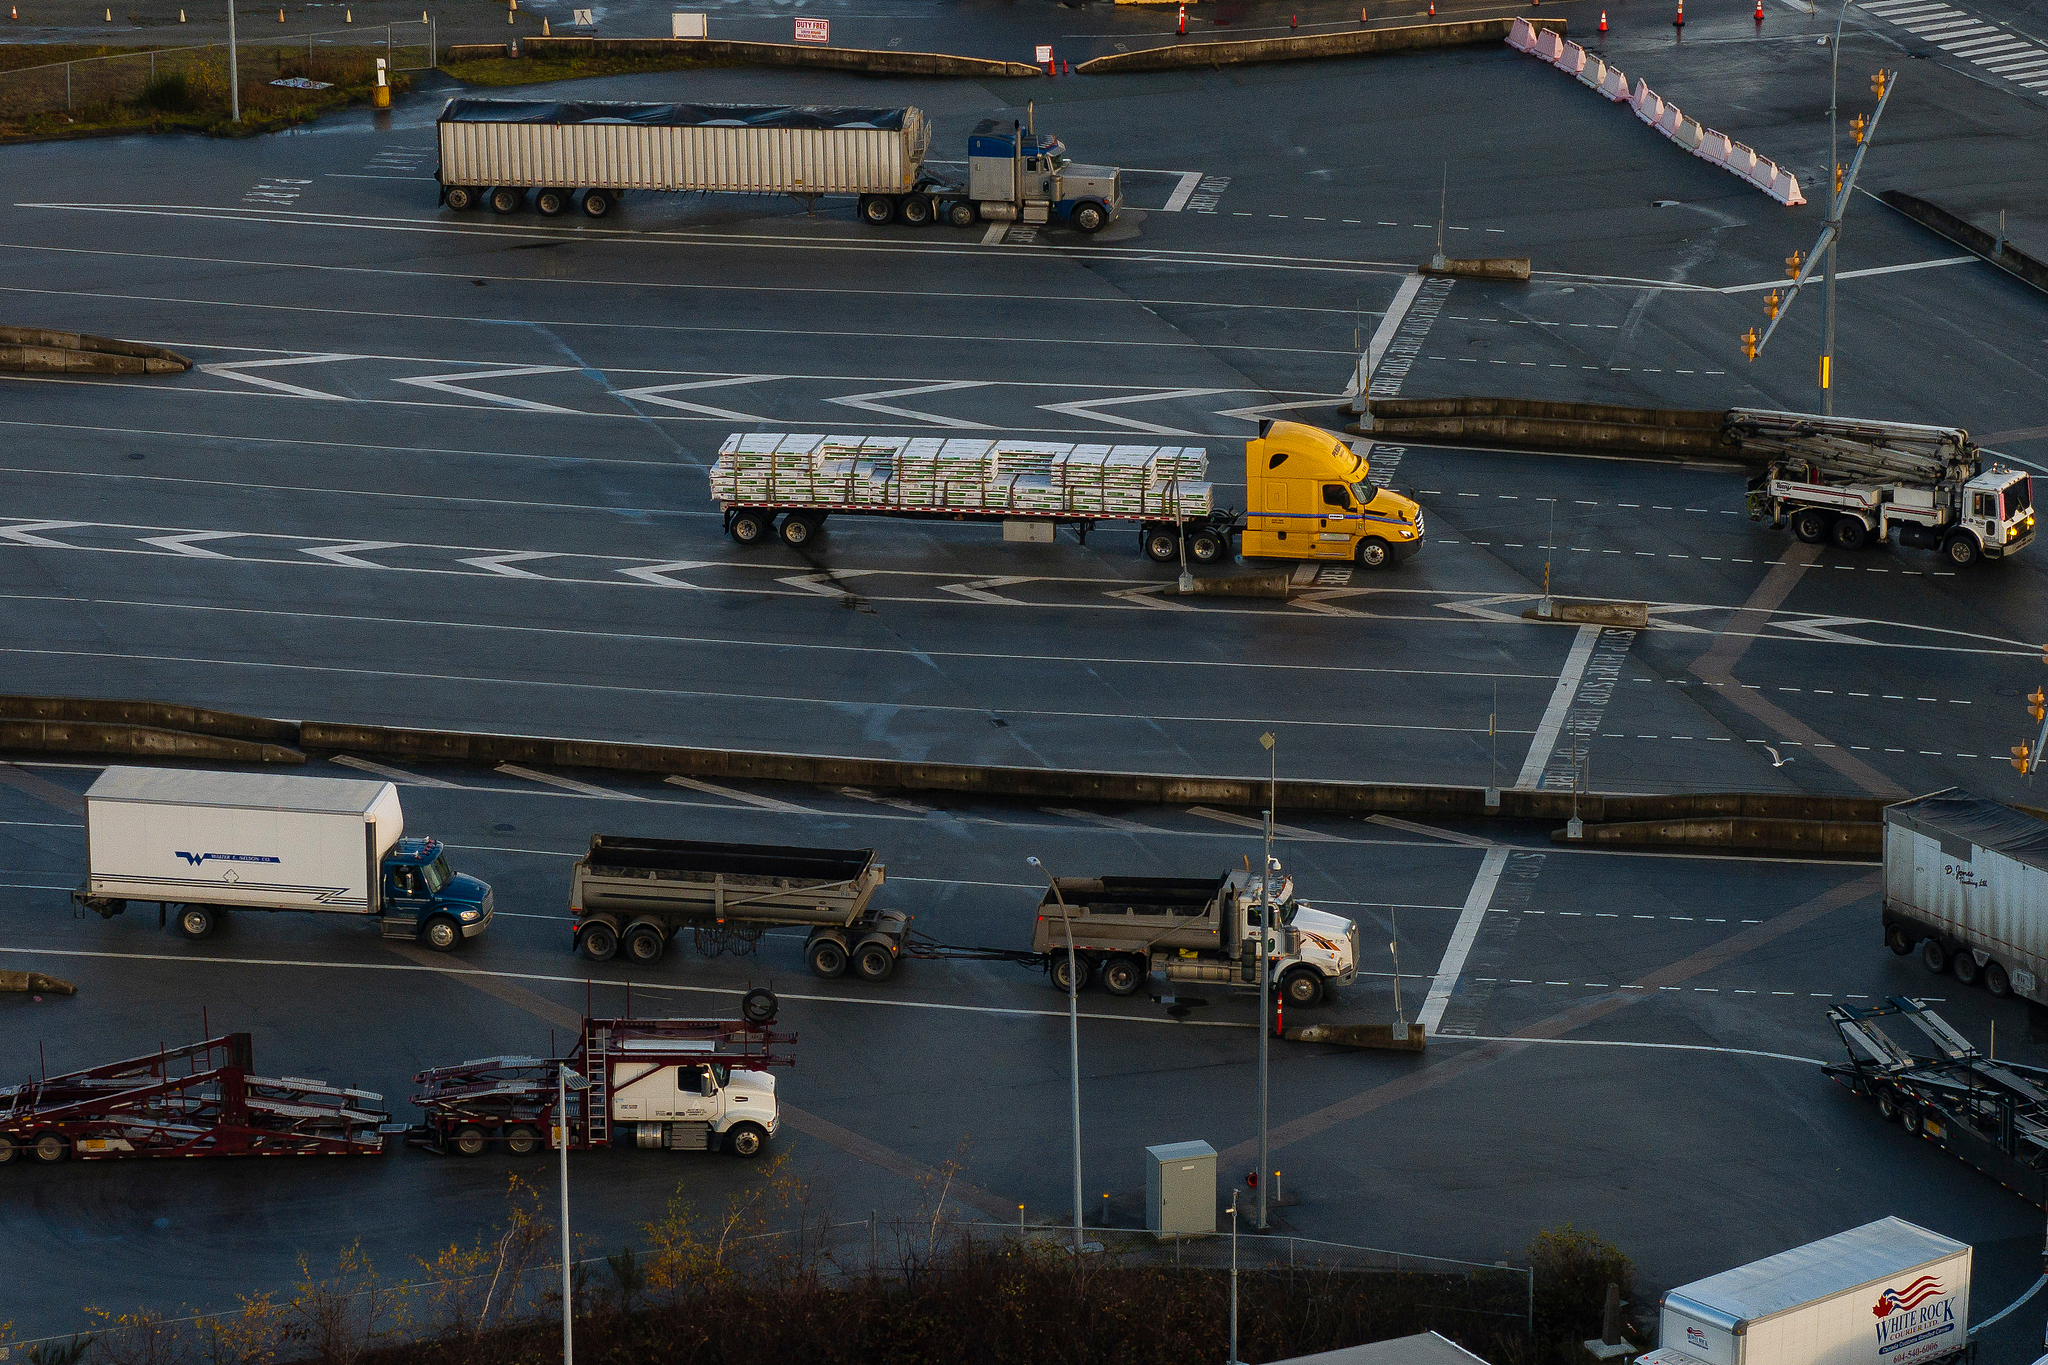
x: 1180, y: 1189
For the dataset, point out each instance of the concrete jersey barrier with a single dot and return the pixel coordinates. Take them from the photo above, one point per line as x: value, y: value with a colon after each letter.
x: 1655, y: 433
x: 38, y: 350
x: 1970, y: 237
x: 1358, y: 43
x: 720, y: 50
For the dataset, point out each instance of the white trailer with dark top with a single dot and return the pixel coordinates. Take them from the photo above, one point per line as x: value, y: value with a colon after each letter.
x: 1887, y: 1293
x: 1966, y: 885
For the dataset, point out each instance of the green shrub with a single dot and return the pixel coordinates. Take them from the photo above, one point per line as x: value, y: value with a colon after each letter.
x: 170, y: 93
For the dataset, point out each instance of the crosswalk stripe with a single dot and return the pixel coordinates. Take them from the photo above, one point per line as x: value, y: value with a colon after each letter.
x: 1989, y: 48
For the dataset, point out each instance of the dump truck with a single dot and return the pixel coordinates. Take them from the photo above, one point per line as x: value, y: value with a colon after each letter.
x: 560, y: 154
x: 1966, y: 885
x: 678, y: 1085
x: 1886, y: 1293
x: 1126, y: 929
x: 640, y: 893
x: 1310, y: 497
x: 205, y: 844
x: 1852, y: 483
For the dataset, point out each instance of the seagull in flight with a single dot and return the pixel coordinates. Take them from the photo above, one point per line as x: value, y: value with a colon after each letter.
x: 1777, y: 760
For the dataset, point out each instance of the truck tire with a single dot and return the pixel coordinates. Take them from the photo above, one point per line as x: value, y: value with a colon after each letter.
x: 827, y: 957
x: 1909, y: 1117
x: 506, y: 199
x: 749, y: 527
x: 874, y: 962
x: 442, y: 934
x: 745, y: 1140
x: 1121, y: 976
x: 1083, y: 969
x: 878, y: 210
x: 644, y: 944
x: 598, y: 203
x: 1961, y: 549
x: 469, y: 1140
x: 1849, y: 533
x: 1302, y: 988
x: 50, y: 1148
x: 1887, y: 1104
x: 1934, y: 956
x: 1372, y: 553
x: 462, y: 198
x: 1206, y: 547
x: 1161, y: 544
x: 1811, y: 525
x: 197, y: 921
x: 8, y: 1151
x: 962, y: 213
x: 917, y: 209
x: 521, y: 1140
x: 1090, y: 218
x: 1996, y: 981
x: 552, y: 203
x: 797, y: 530
x: 1898, y: 940
x: 598, y: 942
x: 1966, y: 969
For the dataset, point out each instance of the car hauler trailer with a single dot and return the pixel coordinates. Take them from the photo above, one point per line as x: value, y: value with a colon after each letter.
x: 1966, y: 883
x: 681, y: 1085
x: 640, y: 893
x: 200, y: 1100
x: 1887, y: 1293
x: 202, y: 844
x: 1991, y: 1114
x: 498, y: 152
x: 1308, y: 492
x: 1853, y: 482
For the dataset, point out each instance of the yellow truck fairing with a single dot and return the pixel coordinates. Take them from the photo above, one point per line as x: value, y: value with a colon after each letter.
x: 1307, y: 498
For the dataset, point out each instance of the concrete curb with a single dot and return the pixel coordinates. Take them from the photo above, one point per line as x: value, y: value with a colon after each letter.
x: 1508, y: 269
x: 713, y: 50
x: 23, y: 983
x: 136, y: 741
x: 1363, y: 42
x: 1379, y: 1037
x: 36, y: 350
x: 1265, y: 583
x: 153, y: 714
x: 1661, y: 433
x: 1970, y: 237
x: 1630, y: 615
x: 1832, y: 838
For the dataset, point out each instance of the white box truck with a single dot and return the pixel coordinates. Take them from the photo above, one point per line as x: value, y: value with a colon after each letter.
x: 1887, y: 1293
x: 201, y: 844
x: 1966, y: 883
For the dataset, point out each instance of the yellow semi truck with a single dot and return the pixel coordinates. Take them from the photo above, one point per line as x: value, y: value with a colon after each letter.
x: 1307, y: 492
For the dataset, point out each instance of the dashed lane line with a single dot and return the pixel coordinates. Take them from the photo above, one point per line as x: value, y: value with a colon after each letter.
x: 1758, y: 992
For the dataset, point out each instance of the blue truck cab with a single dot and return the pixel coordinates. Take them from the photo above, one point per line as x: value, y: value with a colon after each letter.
x: 1018, y: 174
x: 421, y: 896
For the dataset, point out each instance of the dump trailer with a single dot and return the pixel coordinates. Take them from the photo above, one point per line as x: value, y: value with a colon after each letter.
x: 640, y: 893
x: 564, y: 153
x: 1991, y: 1114
x: 1853, y: 482
x: 204, y: 844
x: 1309, y: 492
x: 680, y: 1085
x: 1966, y: 885
x: 1886, y: 1293
x: 1125, y: 929
x: 204, y: 1099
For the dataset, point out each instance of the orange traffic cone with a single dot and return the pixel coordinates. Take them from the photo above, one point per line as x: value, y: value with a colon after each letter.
x: 13, y: 12
x: 1603, y: 21
x: 280, y: 14
x: 1432, y: 9
x: 1294, y: 21
x: 1759, y: 11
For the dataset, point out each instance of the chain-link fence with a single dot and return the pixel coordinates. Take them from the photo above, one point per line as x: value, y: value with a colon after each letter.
x: 182, y: 82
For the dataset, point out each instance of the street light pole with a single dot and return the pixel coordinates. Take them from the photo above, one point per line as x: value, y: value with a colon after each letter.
x: 234, y: 68
x: 1233, y: 1278
x: 568, y: 1299
x: 1837, y: 192
x: 1266, y: 956
x: 1073, y: 1040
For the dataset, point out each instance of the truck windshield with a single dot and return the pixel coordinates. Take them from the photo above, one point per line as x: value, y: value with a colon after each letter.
x: 1365, y: 493
x: 2019, y: 498
x: 437, y: 874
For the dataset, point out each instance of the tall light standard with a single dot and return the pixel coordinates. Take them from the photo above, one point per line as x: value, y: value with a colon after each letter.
x: 234, y: 68
x: 565, y: 1081
x: 1266, y: 957
x: 1073, y: 1040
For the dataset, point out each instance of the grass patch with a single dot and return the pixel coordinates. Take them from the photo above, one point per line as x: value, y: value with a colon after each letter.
x: 502, y: 71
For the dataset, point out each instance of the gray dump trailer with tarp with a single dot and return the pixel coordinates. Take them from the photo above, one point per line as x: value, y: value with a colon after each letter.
x: 1966, y: 885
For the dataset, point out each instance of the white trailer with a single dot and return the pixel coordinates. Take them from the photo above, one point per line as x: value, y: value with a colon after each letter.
x: 205, y: 843
x: 1966, y: 883
x: 1887, y: 1293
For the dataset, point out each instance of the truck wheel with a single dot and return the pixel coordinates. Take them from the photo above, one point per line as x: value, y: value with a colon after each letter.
x: 797, y: 530
x: 874, y: 962
x: 598, y: 942
x: 1996, y: 981
x: 749, y: 527
x: 442, y: 934
x: 1961, y: 549
x: 1849, y: 533
x: 1933, y: 956
x: 1887, y: 1104
x: 1122, y: 976
x: 1372, y: 554
x: 1302, y: 988
x: 506, y: 199
x: 1898, y: 940
x: 917, y: 210
x: 8, y: 1151
x: 1909, y: 1118
x: 522, y: 1141
x: 827, y: 957
x: 1090, y: 218
x: 877, y: 209
x: 644, y: 944
x: 1966, y: 969
x: 745, y: 1140
x: 462, y: 198
x: 196, y: 921
x: 469, y: 1140
x: 50, y: 1148
x: 598, y: 203
x: 1205, y: 547
x: 962, y: 213
x: 1810, y: 525
x: 1083, y: 969
x: 551, y: 203
x: 1162, y: 544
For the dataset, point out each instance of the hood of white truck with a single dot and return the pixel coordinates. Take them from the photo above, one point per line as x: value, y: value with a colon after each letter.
x: 1324, y: 936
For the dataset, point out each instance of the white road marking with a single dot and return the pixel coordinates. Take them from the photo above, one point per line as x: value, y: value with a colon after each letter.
x: 865, y: 401
x: 458, y: 384
x: 1859, y: 274
x: 1115, y: 822
x: 239, y: 369
x: 1280, y: 831
x: 567, y: 784
x: 733, y: 794
x: 1568, y: 679
x: 345, y: 555
x: 1090, y: 408
x: 385, y: 770
x: 1383, y: 335
x: 1410, y: 827
x: 1178, y: 200
x: 503, y: 564
x: 1462, y: 937
x: 183, y: 544
x: 658, y: 393
x: 994, y: 235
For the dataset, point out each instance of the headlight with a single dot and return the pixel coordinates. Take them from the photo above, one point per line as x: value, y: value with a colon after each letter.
x: 471, y: 913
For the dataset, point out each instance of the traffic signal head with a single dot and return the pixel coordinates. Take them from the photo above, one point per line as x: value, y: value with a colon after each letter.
x: 1749, y: 344
x: 1856, y: 127
x: 1792, y: 264
x: 2020, y: 754
x: 1839, y: 168
x: 2037, y: 704
x: 1879, y: 82
x: 1251, y: 1179
x: 1771, y: 302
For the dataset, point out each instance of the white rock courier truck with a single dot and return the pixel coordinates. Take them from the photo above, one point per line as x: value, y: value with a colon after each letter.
x: 204, y: 844
x: 562, y: 153
x: 1193, y: 929
x: 1966, y: 885
x: 1853, y: 482
x: 1887, y: 1293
